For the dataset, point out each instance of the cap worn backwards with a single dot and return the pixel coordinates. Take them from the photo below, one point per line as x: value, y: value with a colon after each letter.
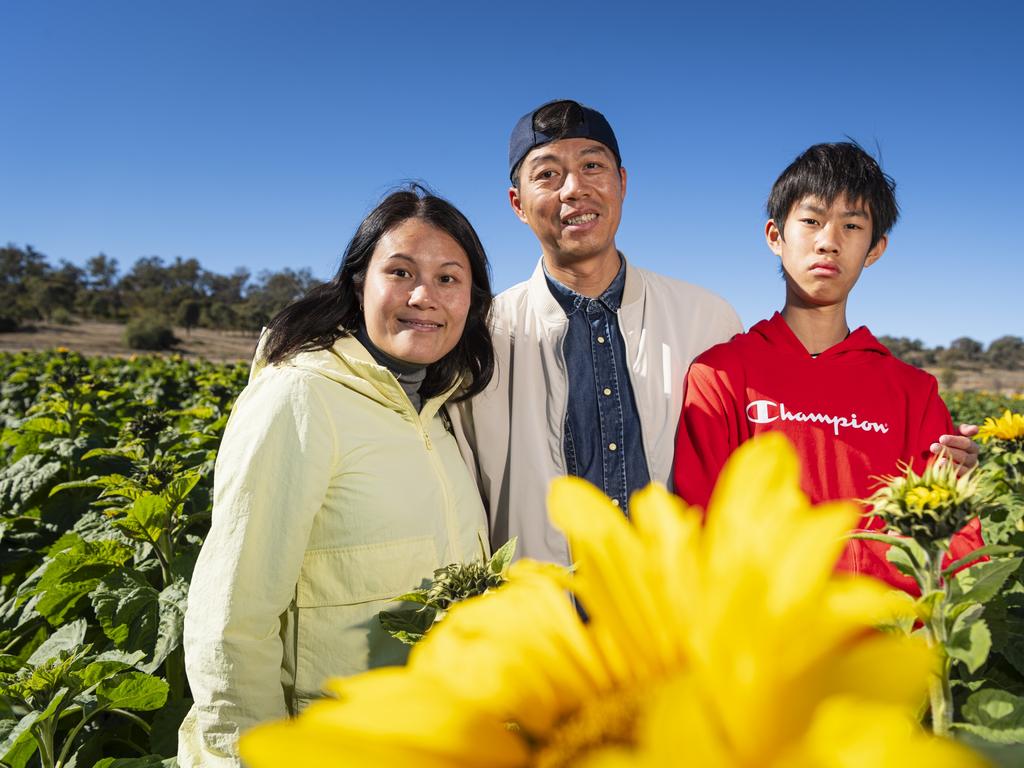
x: 574, y: 121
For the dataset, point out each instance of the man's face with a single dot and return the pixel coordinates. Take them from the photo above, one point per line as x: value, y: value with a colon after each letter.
x: 824, y: 249
x: 570, y: 193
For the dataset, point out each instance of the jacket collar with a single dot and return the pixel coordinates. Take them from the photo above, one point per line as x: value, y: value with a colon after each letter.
x: 552, y: 315
x: 351, y: 365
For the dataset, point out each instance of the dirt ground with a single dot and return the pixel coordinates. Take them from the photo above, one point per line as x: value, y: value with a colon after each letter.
x: 93, y: 338
x: 985, y: 380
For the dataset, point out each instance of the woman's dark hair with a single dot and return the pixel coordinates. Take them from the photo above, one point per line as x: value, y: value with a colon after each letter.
x: 333, y: 309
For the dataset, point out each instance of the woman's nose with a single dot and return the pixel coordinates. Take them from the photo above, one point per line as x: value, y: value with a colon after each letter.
x: 422, y: 296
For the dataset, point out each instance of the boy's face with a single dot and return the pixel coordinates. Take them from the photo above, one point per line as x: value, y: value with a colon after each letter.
x: 824, y: 249
x: 570, y: 194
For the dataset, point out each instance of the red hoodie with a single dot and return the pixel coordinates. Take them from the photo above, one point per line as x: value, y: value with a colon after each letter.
x: 853, y: 413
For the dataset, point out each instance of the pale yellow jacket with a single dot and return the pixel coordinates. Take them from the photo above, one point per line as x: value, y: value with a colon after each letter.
x: 332, y: 495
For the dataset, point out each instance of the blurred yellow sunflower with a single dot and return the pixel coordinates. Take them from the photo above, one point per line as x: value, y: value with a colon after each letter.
x: 1009, y: 426
x: 731, y: 644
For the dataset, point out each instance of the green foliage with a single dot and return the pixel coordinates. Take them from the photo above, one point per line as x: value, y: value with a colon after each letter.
x: 105, y: 490
x: 975, y: 407
x: 451, y: 584
x: 105, y: 493
x: 971, y: 610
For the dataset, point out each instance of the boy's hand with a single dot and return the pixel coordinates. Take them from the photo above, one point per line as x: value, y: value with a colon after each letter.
x: 960, y: 449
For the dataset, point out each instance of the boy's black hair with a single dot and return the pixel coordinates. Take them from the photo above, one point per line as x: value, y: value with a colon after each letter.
x: 827, y: 171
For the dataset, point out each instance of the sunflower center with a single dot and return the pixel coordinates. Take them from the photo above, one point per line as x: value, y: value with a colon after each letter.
x: 605, y: 721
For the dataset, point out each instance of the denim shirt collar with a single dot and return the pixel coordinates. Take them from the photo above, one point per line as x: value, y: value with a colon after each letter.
x: 570, y: 301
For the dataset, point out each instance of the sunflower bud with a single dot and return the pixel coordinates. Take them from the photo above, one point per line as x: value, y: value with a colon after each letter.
x: 930, y: 507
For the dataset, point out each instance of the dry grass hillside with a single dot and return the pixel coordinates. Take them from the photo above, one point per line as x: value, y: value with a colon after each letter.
x: 93, y: 338
x: 994, y: 380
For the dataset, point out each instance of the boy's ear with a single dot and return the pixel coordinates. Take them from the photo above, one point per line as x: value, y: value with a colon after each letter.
x: 773, y: 236
x: 876, y: 253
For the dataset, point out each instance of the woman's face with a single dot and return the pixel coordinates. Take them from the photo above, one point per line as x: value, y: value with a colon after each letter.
x: 417, y: 292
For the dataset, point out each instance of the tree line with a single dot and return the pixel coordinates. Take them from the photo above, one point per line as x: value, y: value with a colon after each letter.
x: 1006, y: 352
x: 180, y: 291
x: 184, y: 293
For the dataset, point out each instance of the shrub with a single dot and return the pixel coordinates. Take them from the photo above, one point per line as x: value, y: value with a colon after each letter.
x: 8, y: 323
x: 148, y: 332
x: 61, y: 316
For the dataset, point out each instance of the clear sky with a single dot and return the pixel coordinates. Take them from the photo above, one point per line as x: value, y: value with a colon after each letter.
x: 258, y: 134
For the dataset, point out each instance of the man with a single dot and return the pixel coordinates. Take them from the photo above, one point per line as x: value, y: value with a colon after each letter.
x: 591, y: 351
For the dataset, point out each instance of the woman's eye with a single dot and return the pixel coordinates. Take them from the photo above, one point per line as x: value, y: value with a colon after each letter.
x: 448, y: 279
x: 400, y: 272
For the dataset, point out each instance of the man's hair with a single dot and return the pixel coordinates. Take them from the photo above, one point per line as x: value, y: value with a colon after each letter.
x: 827, y: 171
x: 558, y: 120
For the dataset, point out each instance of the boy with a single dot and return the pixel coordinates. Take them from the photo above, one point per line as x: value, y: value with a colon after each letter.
x: 852, y: 410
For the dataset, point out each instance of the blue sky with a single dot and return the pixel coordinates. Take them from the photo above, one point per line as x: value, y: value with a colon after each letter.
x: 258, y: 134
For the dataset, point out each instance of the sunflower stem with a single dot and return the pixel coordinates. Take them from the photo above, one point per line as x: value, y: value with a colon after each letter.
x: 940, y: 692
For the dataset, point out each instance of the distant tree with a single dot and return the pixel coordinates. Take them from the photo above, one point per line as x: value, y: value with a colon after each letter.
x: 1006, y: 352
x: 962, y: 351
x: 947, y: 378
x: 102, y: 296
x: 221, y: 316
x: 188, y: 314
x: 101, y: 272
x: 274, y: 291
x: 912, y: 351
x: 18, y: 267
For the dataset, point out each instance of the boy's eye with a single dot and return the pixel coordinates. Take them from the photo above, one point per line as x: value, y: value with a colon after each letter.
x: 853, y: 226
x: 809, y: 221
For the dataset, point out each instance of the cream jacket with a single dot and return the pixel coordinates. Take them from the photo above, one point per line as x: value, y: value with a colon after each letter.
x: 332, y: 495
x: 512, y: 433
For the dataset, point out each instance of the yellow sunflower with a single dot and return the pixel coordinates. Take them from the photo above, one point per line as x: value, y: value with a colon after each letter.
x: 1009, y: 426
x: 731, y: 644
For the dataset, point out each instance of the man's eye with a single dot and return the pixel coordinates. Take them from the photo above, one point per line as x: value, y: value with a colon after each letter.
x: 591, y: 165
x: 546, y: 175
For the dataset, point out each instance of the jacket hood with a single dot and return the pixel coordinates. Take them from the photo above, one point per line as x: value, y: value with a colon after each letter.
x: 348, y: 363
x: 775, y: 332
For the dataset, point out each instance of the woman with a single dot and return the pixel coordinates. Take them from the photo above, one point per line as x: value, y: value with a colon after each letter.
x: 338, y: 485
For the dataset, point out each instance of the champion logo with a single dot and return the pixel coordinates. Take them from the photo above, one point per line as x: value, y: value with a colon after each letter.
x: 767, y: 411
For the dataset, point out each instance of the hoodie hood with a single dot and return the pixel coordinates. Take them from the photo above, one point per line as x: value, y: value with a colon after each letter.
x: 776, y: 333
x: 348, y: 363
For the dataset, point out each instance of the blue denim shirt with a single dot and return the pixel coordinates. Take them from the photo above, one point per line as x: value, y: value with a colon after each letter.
x: 602, y: 427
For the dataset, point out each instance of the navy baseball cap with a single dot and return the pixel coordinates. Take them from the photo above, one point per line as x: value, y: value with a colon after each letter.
x: 578, y: 121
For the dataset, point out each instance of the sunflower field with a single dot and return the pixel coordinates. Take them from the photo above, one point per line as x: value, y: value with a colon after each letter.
x: 106, y: 471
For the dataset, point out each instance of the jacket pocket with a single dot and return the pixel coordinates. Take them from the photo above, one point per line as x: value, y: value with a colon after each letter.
x: 338, y: 596
x: 348, y: 575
